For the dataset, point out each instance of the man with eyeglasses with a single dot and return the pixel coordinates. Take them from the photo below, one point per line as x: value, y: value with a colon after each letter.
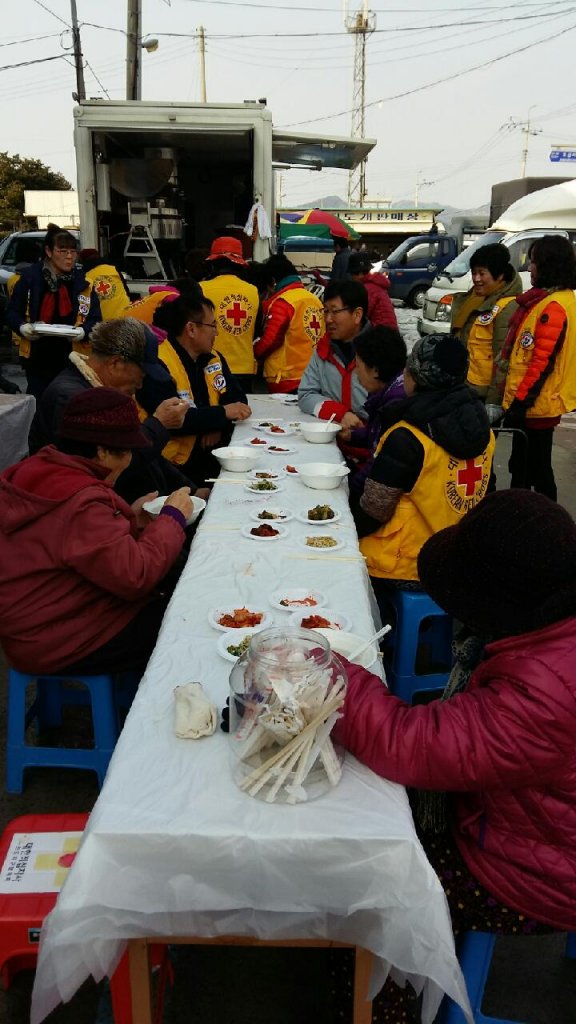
x: 330, y: 385
x: 199, y: 375
x: 52, y: 293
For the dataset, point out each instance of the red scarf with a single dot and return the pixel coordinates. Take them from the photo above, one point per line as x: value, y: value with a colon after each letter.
x: 55, y: 305
x: 525, y: 303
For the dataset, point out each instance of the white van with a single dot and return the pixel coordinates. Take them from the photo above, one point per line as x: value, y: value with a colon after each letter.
x: 550, y: 211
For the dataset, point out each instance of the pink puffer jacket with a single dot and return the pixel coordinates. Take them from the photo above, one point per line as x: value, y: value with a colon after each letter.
x: 507, y: 748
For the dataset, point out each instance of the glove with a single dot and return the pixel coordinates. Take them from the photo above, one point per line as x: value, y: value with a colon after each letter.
x: 494, y: 413
x: 27, y: 331
x: 515, y: 416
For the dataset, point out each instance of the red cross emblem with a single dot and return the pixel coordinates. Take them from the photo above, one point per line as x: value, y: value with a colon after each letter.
x: 315, y: 324
x: 103, y: 288
x: 469, y: 477
x: 237, y: 314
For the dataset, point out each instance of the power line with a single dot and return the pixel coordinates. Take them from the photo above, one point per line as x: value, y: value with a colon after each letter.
x: 228, y: 53
x: 439, y: 81
x: 388, y: 10
x: 91, y: 69
x: 324, y: 35
x: 27, y: 63
x: 31, y: 39
x: 53, y: 13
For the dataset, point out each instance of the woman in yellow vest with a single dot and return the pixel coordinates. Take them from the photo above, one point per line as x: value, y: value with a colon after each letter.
x: 540, y: 354
x: 431, y: 466
x: 107, y: 282
x: 293, y: 325
x: 235, y: 305
x: 480, y: 319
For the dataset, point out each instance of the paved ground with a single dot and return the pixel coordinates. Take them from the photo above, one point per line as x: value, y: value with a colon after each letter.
x: 530, y: 980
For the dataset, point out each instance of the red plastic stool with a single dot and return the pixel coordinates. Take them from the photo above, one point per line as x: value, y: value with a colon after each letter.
x: 22, y: 914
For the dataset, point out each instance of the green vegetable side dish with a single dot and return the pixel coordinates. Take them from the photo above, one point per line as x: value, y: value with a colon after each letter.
x: 237, y: 649
x: 320, y: 513
x: 263, y: 485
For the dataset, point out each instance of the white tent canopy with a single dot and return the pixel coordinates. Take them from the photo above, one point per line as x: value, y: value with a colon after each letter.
x: 553, y: 207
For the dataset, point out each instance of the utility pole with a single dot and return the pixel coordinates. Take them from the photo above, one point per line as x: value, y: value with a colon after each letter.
x: 202, y: 51
x: 419, y: 182
x: 527, y: 132
x: 134, y: 50
x: 361, y: 25
x: 80, y: 87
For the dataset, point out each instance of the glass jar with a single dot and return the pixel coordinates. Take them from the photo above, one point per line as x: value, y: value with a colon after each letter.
x: 286, y: 690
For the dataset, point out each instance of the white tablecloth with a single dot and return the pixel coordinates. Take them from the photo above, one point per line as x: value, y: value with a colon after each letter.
x: 174, y: 848
x: 16, y: 414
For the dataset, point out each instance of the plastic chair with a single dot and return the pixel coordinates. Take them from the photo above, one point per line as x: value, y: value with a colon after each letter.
x: 475, y: 951
x: 422, y: 632
x: 22, y: 916
x: 52, y: 693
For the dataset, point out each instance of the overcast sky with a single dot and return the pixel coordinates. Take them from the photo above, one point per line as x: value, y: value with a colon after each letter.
x: 458, y: 135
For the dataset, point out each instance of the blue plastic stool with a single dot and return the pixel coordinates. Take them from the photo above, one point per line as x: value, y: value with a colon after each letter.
x: 412, y: 609
x: 52, y: 692
x: 475, y: 951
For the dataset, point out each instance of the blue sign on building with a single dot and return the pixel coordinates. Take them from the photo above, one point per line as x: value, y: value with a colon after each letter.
x: 558, y: 155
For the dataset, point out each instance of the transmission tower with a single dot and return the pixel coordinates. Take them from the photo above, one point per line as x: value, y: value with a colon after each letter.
x: 361, y: 25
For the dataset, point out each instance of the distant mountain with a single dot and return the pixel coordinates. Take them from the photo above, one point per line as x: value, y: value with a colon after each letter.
x: 452, y: 213
x: 326, y: 203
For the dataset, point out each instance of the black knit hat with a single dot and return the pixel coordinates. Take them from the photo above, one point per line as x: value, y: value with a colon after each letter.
x: 103, y: 416
x: 508, y: 567
x: 438, y: 361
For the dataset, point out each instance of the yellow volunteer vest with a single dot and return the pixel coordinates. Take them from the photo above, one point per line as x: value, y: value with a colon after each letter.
x: 179, y: 449
x: 83, y: 308
x: 235, y: 309
x: 446, y: 489
x: 144, y: 309
x: 558, y: 394
x: 479, y: 344
x: 306, y: 328
x: 109, y: 288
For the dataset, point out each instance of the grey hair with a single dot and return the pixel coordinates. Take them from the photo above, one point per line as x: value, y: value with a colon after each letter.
x: 124, y: 337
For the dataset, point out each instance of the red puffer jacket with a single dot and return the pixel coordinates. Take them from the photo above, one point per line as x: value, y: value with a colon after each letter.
x: 508, y: 747
x: 380, y: 308
x: 74, y: 568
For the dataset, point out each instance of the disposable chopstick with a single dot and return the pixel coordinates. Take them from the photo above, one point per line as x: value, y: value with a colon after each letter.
x: 222, y: 479
x: 331, y: 558
x: 215, y: 527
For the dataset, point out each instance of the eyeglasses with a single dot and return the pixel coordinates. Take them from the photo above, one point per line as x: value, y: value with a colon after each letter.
x: 202, y: 323
x: 67, y: 252
x: 334, y: 312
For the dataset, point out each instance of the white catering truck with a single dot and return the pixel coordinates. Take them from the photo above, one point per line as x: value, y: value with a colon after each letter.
x: 548, y: 211
x: 156, y: 180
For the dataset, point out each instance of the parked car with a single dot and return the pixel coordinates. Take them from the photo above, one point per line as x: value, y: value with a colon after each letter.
x: 414, y: 264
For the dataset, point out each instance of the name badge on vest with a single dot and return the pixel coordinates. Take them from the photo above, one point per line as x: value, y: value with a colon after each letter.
x: 214, y: 368
x: 83, y: 306
x: 486, y: 318
x: 526, y: 339
x: 187, y: 397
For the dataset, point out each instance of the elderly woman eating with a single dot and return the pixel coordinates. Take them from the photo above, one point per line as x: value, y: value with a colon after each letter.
x: 83, y: 583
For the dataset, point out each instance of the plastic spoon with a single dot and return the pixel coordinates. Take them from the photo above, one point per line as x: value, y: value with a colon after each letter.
x: 377, y: 636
